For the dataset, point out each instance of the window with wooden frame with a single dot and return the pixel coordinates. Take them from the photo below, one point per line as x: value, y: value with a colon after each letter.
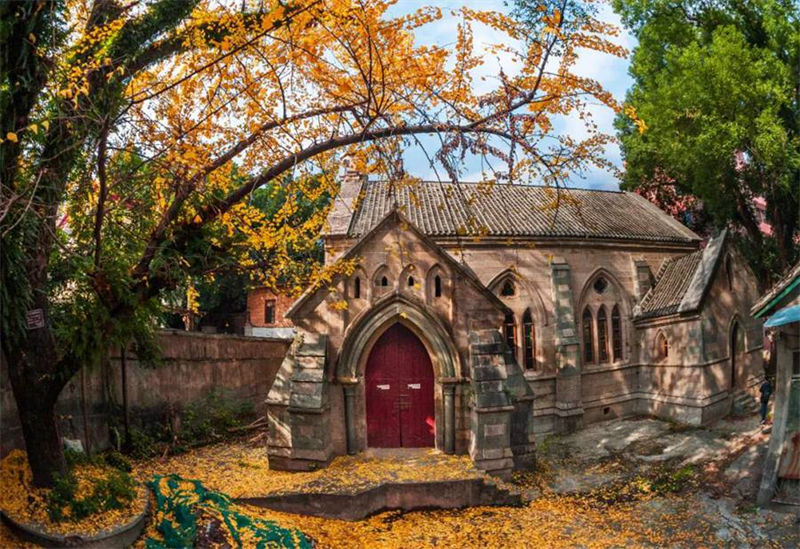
x: 510, y: 332
x: 269, y: 311
x: 602, y: 335
x: 588, y: 339
x: 616, y: 334
x: 529, y: 335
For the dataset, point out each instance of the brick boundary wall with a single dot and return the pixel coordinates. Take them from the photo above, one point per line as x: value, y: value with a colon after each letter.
x: 192, y: 365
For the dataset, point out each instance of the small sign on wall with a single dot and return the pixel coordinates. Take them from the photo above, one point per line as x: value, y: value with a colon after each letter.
x: 34, y: 319
x: 384, y: 387
x: 414, y: 385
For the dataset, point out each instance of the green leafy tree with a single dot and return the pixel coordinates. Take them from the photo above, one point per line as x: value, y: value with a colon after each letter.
x: 718, y: 86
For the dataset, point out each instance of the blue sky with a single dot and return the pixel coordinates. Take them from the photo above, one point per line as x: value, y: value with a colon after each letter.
x: 611, y: 71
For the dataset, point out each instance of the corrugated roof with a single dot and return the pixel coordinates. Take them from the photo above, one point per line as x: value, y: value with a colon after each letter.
x: 448, y: 209
x: 772, y: 294
x: 672, y: 282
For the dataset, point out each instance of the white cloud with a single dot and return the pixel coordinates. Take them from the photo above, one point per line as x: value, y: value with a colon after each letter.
x: 610, y: 71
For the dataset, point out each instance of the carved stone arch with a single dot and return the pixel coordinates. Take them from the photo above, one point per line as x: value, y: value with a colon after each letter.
x: 534, y: 301
x: 431, y: 284
x: 626, y: 298
x: 360, y: 337
x: 365, y: 330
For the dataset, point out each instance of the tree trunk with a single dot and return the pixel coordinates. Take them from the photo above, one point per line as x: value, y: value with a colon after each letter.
x: 42, y: 439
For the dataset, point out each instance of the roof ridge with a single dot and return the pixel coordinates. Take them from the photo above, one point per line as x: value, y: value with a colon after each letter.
x: 517, y: 185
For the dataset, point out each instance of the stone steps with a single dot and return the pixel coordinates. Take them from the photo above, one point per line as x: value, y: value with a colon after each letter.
x: 744, y: 404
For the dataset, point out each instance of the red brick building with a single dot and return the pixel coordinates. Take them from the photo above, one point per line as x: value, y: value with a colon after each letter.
x: 266, y: 314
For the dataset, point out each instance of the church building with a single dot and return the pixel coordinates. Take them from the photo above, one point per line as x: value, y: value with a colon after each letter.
x: 481, y: 317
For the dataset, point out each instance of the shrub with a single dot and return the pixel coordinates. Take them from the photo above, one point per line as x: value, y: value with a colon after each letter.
x: 114, y: 491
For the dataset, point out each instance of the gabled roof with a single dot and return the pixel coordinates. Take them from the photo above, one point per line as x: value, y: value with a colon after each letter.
x: 682, y: 282
x: 781, y: 288
x: 396, y: 218
x: 446, y: 209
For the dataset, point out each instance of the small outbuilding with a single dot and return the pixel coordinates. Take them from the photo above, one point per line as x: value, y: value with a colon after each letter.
x: 780, y: 306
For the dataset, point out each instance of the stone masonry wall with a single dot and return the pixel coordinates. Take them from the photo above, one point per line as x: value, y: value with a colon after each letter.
x: 193, y: 364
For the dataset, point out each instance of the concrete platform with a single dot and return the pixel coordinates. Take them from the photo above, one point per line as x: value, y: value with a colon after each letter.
x: 389, y: 496
x: 404, y: 479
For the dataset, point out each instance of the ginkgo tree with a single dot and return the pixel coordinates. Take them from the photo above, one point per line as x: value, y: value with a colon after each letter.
x: 135, y: 134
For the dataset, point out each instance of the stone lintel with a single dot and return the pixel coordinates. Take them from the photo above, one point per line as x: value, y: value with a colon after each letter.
x: 490, y: 409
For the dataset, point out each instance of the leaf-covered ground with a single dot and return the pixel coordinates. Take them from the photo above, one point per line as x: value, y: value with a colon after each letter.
x: 20, y: 500
x: 622, y: 483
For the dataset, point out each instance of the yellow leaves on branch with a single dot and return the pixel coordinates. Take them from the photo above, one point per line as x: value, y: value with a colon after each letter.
x: 252, y: 89
x: 630, y: 112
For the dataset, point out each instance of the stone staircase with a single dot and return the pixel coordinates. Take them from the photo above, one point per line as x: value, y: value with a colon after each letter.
x: 744, y: 404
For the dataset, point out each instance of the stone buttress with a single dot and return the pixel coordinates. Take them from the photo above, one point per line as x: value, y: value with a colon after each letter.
x: 298, y: 408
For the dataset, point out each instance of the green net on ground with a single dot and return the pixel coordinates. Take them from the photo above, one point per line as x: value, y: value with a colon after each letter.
x: 188, y: 514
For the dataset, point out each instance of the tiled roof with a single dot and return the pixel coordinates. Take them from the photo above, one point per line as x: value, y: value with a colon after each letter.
x: 776, y: 289
x: 448, y: 209
x: 672, y: 283
x: 682, y: 282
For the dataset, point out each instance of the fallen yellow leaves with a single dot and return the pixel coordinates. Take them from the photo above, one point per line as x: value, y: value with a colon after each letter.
x: 240, y: 470
x: 24, y: 503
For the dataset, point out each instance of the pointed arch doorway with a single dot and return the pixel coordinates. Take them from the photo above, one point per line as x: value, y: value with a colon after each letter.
x: 399, y: 391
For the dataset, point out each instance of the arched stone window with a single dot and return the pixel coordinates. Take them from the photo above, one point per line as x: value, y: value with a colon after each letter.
x: 410, y: 281
x: 436, y: 284
x: 529, y: 343
x: 508, y: 289
x: 380, y: 281
x: 662, y: 346
x: 510, y: 332
x: 616, y: 334
x: 601, y: 305
x: 588, y: 339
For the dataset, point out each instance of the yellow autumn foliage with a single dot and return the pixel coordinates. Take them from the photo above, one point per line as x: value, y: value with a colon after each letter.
x: 27, y: 504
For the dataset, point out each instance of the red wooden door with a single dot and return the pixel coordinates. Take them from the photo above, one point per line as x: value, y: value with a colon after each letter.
x: 399, y: 391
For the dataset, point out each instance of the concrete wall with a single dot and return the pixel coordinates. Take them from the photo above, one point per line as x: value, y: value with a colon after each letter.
x: 192, y: 365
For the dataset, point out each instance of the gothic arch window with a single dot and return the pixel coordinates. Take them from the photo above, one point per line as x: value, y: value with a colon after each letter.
x: 410, y: 281
x: 588, y: 339
x: 662, y: 346
x: 529, y: 343
x: 601, y: 307
x: 380, y: 281
x: 602, y: 335
x: 508, y: 289
x: 357, y: 287
x: 616, y: 334
x: 436, y: 284
x: 510, y: 332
